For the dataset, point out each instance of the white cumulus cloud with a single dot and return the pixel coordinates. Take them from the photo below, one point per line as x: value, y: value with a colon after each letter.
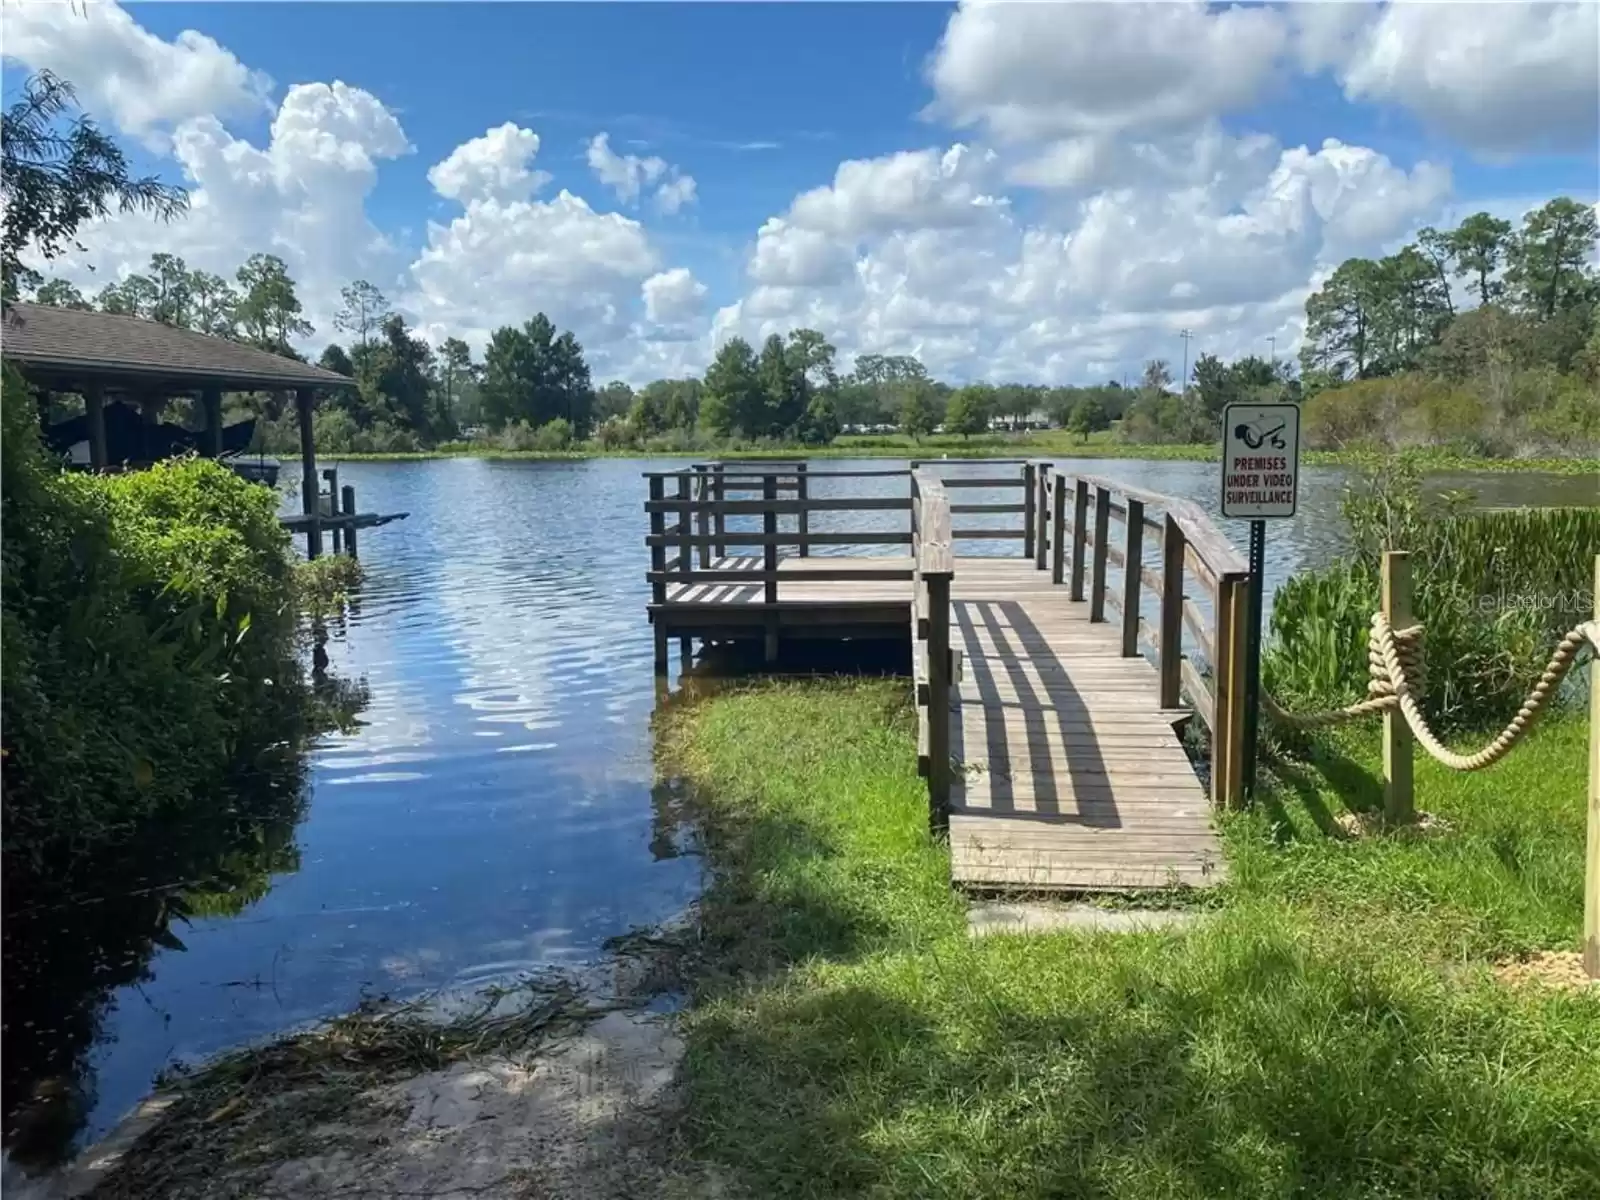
x: 495, y: 166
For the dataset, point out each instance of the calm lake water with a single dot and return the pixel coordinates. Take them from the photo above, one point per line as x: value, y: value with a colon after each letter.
x: 494, y: 811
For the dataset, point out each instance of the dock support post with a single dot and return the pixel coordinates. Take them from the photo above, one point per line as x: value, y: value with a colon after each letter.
x: 94, y: 409
x: 658, y: 565
x: 303, y: 403
x: 1395, y: 597
x: 719, y: 521
x: 1058, y: 543
x: 1102, y: 536
x: 1028, y: 504
x: 769, y: 564
x: 1171, y: 652
x: 1132, y: 564
x: 348, y: 493
x: 1041, y: 541
x: 1080, y: 530
x: 802, y: 492
x: 331, y: 476
x: 1227, y: 733
x: 1591, y: 876
x: 938, y: 584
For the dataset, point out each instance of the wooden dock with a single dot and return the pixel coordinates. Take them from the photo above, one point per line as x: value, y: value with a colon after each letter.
x: 1050, y: 742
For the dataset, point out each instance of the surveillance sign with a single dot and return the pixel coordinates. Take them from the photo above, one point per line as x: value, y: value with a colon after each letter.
x: 1260, y: 460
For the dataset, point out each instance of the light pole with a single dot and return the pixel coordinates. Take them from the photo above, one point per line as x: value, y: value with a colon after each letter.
x: 1185, y: 335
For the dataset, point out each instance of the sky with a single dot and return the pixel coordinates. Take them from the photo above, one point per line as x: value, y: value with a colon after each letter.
x: 1044, y: 192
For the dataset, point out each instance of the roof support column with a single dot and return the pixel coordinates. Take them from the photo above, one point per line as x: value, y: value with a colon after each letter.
x: 94, y: 408
x: 211, y: 403
x: 303, y: 403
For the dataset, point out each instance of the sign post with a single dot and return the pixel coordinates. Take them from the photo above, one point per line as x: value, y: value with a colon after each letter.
x: 1260, y: 482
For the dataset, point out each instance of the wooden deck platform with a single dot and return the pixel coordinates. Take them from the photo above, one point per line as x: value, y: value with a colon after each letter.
x: 1059, y: 766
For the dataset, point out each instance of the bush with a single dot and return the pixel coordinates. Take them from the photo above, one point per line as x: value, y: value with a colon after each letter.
x: 148, y: 640
x: 616, y: 433
x: 1493, y: 591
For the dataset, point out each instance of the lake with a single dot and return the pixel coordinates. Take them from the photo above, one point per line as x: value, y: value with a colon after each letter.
x: 494, y: 811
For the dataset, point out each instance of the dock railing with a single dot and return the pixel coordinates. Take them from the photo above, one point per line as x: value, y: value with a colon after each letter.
x: 934, y: 663
x: 1192, y: 558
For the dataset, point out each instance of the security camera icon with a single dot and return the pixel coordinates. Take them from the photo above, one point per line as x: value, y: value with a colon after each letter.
x: 1257, y: 435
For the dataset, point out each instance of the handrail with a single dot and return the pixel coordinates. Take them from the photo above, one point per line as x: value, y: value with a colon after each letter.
x: 934, y: 567
x: 1192, y: 549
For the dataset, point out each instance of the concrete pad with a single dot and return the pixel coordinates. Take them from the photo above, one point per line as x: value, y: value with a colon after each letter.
x: 985, y: 917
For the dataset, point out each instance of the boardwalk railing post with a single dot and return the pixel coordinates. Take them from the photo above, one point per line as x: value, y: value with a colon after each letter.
x: 938, y: 583
x: 719, y: 520
x: 1102, y: 536
x: 1029, y: 505
x: 348, y: 496
x: 1395, y: 598
x: 769, y: 563
x: 1041, y: 543
x: 803, y: 525
x: 702, y: 492
x: 1132, y: 564
x: 1591, y: 878
x: 1058, y: 539
x: 1080, y: 531
x: 1171, y: 652
x: 1227, y: 733
x: 658, y: 565
x: 331, y: 476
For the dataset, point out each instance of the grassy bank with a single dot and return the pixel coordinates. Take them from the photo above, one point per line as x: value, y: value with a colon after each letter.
x: 1049, y: 444
x: 1333, y: 1028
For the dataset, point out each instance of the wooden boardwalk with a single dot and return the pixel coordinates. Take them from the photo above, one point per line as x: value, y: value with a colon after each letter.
x: 1050, y: 743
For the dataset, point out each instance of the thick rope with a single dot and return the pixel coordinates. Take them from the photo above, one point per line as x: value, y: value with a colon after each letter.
x: 1395, y: 674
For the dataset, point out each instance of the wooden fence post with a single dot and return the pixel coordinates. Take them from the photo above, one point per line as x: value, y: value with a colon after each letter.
x: 348, y: 492
x: 802, y: 491
x: 1399, y: 805
x: 702, y: 493
x: 1102, y: 539
x: 769, y: 564
x: 1171, y: 654
x: 1227, y: 720
x: 938, y: 584
x: 719, y: 521
x: 331, y: 476
x: 658, y: 565
x: 1132, y: 564
x: 1058, y: 544
x: 1591, y: 877
x: 1080, y: 531
x: 1028, y: 507
x: 1043, y: 534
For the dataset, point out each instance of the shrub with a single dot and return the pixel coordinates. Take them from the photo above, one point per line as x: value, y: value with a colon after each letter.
x: 1492, y: 590
x: 615, y: 433
x: 148, y: 640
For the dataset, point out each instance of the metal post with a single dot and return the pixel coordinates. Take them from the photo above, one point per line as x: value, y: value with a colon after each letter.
x: 1252, y: 653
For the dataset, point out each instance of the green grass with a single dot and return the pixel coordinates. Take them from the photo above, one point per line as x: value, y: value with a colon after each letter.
x: 1331, y: 1029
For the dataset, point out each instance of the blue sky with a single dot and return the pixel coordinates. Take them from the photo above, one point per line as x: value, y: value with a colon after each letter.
x: 1185, y: 198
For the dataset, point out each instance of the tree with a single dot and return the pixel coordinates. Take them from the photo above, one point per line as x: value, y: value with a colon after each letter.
x: 269, y: 311
x: 396, y: 380
x: 613, y: 400
x: 364, y: 310
x: 1549, y: 263
x: 1479, y: 246
x: 967, y: 413
x: 170, y: 276
x: 134, y: 296
x: 784, y: 386
x: 212, y: 304
x: 1157, y: 376
x: 732, y: 389
x: 336, y: 360
x: 534, y: 375
x: 918, y: 415
x: 812, y: 355
x: 56, y: 173
x: 456, y: 369
x: 1088, y: 416
x: 1339, y: 322
x: 58, y: 293
x: 1410, y: 308
x: 1442, y: 252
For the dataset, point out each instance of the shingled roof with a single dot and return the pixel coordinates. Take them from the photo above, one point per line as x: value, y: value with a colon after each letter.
x: 62, y: 347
